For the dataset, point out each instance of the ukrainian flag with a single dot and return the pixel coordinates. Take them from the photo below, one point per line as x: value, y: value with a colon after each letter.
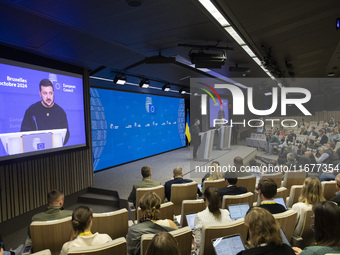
x: 187, y: 129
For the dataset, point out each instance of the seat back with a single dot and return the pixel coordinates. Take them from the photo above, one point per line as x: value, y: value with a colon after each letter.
x: 115, y: 223
x: 329, y: 189
x: 117, y: 246
x: 180, y: 192
x: 44, y: 252
x: 287, y: 222
x: 159, y: 190
x: 307, y: 233
x: 238, y: 199
x: 294, y: 178
x: 183, y: 236
x: 166, y: 212
x: 190, y: 206
x: 294, y: 195
x: 50, y: 234
x: 219, y: 184
x: 248, y: 182
x: 216, y: 231
x: 277, y: 177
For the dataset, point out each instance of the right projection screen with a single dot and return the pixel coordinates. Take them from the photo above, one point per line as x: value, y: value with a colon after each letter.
x: 129, y: 126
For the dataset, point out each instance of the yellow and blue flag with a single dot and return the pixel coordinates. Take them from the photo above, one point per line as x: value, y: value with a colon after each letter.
x: 187, y: 128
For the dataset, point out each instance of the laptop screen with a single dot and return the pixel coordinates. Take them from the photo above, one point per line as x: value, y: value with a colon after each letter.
x: 191, y: 220
x: 284, y: 238
x: 280, y: 201
x: 228, y: 245
x: 238, y: 211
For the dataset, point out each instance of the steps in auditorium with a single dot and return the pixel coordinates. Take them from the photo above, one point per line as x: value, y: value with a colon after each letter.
x: 100, y: 200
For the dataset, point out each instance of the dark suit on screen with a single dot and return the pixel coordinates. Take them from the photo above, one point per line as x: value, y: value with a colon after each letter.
x: 196, y: 141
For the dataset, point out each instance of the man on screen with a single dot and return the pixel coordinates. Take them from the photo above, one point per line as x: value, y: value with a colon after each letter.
x: 45, y: 114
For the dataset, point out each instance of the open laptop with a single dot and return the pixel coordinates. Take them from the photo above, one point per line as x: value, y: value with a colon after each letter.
x: 238, y: 211
x: 279, y: 200
x: 284, y: 237
x: 228, y: 245
x: 191, y: 220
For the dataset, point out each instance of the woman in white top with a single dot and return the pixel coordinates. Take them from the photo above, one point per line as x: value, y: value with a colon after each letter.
x: 311, y: 194
x: 212, y: 215
x: 82, y: 236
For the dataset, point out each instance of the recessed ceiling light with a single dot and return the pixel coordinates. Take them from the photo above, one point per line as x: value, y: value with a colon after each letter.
x: 331, y: 74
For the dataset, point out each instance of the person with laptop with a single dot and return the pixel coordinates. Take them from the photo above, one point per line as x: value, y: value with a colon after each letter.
x: 311, y: 193
x: 264, y: 234
x: 212, y: 215
x: 231, y: 188
x: 326, y: 230
x: 267, y: 190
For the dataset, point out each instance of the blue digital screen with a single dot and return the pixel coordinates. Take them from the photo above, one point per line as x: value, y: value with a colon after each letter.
x: 129, y: 126
x: 215, y: 111
x: 19, y: 90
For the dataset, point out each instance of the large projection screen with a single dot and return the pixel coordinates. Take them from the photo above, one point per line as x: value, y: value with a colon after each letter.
x: 129, y: 126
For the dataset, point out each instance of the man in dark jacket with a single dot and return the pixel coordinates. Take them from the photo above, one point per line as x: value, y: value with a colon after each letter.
x: 267, y: 190
x: 195, y: 135
x: 231, y: 188
x: 178, y: 179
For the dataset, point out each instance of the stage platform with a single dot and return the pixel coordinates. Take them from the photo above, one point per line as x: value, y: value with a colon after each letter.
x: 121, y: 178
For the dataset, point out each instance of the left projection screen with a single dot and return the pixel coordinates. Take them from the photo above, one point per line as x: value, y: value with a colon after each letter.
x: 42, y: 110
x: 129, y: 126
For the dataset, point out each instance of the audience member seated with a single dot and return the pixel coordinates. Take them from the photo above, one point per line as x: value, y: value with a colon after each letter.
x: 177, y: 179
x: 82, y: 235
x: 55, y: 210
x: 264, y: 234
x: 291, y: 161
x: 271, y: 142
x: 283, y: 154
x: 163, y: 243
x: 334, y: 136
x: 328, y: 155
x: 231, y: 188
x: 331, y: 122
x: 208, y: 174
x: 216, y: 173
x: 291, y: 136
x: 150, y: 205
x: 267, y: 190
x: 322, y: 139
x: 313, y: 132
x: 303, y: 131
x: 326, y: 230
x: 311, y: 194
x: 276, y: 131
x: 212, y: 215
x: 238, y: 163
x: 145, y: 183
x: 326, y: 128
x: 336, y: 199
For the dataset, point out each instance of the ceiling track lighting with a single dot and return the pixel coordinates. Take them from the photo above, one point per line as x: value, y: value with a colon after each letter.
x: 144, y: 83
x: 120, y: 79
x: 166, y: 87
x: 182, y: 91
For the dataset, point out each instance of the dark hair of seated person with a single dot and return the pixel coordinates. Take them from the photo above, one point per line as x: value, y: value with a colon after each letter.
x: 327, y: 223
x: 163, y: 243
x: 214, y: 200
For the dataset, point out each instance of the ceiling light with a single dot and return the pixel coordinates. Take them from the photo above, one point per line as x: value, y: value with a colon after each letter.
x: 235, y: 35
x: 257, y: 61
x: 210, y: 7
x: 249, y: 51
x: 145, y: 83
x: 331, y: 74
x: 166, y: 87
x: 120, y: 79
x: 182, y: 91
x: 268, y: 93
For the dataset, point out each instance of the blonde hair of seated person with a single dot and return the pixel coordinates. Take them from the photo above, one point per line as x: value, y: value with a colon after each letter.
x: 263, y: 228
x: 311, y: 192
x: 215, y: 172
